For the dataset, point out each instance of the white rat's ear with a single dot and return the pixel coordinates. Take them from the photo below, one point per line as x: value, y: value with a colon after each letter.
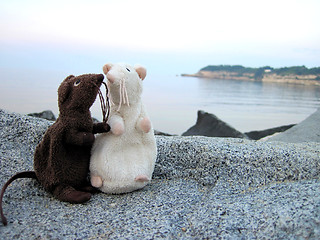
x: 106, y: 68
x: 142, y: 72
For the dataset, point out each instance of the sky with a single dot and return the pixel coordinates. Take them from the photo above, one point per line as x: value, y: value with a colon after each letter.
x: 167, y: 36
x: 42, y: 42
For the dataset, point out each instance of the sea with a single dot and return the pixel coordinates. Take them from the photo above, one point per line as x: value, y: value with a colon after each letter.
x: 172, y: 101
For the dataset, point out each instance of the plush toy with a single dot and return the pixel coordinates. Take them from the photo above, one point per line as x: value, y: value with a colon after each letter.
x: 61, y: 160
x: 123, y: 160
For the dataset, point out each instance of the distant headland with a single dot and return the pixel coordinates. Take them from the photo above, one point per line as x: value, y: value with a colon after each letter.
x: 295, y: 74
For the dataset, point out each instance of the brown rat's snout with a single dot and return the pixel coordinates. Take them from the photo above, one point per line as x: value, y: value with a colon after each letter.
x: 100, y: 78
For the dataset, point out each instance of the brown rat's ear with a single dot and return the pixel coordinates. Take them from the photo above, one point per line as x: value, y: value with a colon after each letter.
x: 64, y: 90
x: 142, y: 72
x: 106, y: 68
x: 69, y: 77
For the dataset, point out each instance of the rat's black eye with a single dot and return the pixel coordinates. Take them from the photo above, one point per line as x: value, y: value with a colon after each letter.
x: 76, y: 83
x: 128, y: 69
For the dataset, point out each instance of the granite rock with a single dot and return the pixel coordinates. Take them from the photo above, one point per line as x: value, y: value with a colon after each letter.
x: 306, y: 131
x: 203, y: 188
x: 256, y: 135
x: 211, y: 126
x: 47, y: 114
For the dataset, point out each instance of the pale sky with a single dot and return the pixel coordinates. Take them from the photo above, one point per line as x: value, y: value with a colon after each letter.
x: 174, y: 35
x: 42, y: 42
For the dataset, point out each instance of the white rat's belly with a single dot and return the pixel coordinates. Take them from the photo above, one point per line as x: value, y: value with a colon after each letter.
x: 118, y: 160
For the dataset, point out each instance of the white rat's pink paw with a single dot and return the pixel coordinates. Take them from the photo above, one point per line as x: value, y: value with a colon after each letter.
x: 145, y: 125
x: 117, y: 129
x: 96, y: 181
x: 142, y: 178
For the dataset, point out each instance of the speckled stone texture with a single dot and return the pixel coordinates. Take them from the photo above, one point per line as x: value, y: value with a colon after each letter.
x: 203, y: 188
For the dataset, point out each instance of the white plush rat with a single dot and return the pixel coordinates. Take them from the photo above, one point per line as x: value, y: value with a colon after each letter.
x: 123, y: 159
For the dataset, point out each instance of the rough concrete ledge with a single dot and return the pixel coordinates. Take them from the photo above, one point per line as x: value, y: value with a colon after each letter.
x: 202, y: 188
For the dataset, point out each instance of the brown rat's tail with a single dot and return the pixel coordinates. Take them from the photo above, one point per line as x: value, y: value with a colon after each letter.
x: 27, y: 174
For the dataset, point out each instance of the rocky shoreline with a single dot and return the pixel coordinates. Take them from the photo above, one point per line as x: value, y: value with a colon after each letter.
x: 202, y: 188
x: 211, y: 126
x: 207, y: 125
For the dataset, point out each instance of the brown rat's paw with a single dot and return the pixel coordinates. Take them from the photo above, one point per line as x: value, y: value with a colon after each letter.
x: 79, y: 197
x: 89, y: 189
x: 106, y: 127
x: 69, y: 194
x: 100, y: 128
x: 88, y: 139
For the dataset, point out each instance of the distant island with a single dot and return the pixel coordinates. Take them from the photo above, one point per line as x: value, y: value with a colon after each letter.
x: 295, y: 74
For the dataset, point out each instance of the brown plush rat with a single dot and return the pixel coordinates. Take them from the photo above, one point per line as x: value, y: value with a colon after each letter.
x: 61, y: 160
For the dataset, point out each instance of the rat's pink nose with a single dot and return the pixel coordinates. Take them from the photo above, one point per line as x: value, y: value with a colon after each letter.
x: 111, y: 78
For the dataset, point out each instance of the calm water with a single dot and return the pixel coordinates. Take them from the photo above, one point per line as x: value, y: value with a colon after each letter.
x: 172, y: 102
